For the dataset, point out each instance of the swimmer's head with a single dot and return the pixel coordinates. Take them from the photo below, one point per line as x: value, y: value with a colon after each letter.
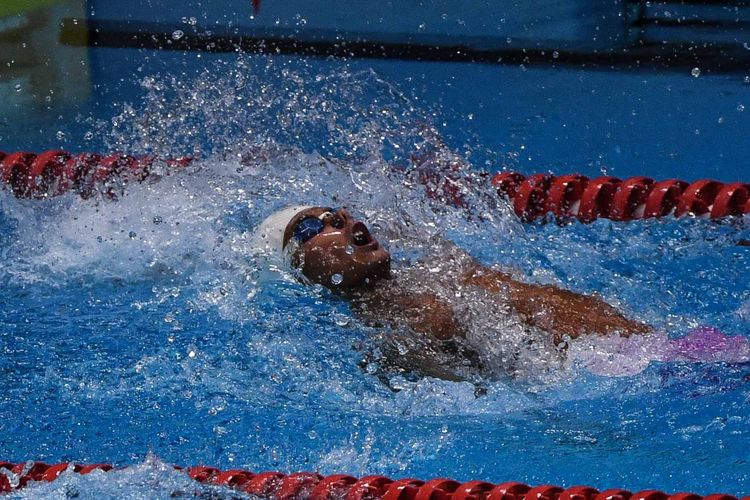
x: 328, y: 246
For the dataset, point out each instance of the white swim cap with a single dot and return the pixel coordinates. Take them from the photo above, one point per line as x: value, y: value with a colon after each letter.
x: 269, y: 237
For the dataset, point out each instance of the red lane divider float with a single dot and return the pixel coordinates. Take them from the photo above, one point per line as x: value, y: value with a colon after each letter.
x: 55, y: 172
x: 573, y: 196
x: 577, y: 196
x: 313, y: 486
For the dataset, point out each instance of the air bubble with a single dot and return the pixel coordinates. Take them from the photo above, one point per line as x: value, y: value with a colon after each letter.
x: 177, y: 34
x: 349, y: 249
x: 336, y: 279
x: 158, y: 219
x: 740, y: 107
x: 696, y: 72
x: 132, y: 234
x: 555, y: 54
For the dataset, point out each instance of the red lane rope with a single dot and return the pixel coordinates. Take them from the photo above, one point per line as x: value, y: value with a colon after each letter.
x: 55, y: 172
x: 574, y: 196
x: 313, y: 486
x: 577, y: 196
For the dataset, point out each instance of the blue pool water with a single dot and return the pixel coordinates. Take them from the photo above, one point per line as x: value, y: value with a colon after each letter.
x: 144, y: 331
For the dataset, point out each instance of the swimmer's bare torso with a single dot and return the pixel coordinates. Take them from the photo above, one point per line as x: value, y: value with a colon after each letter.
x: 559, y: 314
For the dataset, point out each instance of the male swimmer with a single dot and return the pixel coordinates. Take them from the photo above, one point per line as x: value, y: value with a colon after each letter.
x: 429, y: 327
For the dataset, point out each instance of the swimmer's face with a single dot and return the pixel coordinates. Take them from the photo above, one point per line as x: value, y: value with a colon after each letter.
x: 342, y: 255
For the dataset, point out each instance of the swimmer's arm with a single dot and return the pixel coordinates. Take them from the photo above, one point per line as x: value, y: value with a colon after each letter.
x: 558, y: 311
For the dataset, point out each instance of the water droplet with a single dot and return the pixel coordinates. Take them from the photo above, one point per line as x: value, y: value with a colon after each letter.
x: 132, y: 234
x: 336, y: 279
x: 349, y: 249
x: 177, y: 34
x: 696, y: 72
x: 158, y: 219
x: 341, y: 320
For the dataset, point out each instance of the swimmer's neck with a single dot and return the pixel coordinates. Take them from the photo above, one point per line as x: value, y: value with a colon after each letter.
x: 364, y: 290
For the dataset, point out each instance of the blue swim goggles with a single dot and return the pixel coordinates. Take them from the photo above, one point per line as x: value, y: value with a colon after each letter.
x: 310, y: 227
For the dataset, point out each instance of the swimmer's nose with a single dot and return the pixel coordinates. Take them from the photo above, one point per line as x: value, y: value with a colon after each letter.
x: 344, y: 214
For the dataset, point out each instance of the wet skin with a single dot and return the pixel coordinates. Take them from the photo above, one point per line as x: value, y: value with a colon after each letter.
x: 346, y: 248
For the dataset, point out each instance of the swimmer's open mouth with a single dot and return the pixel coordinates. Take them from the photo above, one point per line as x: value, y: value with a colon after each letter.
x: 361, y: 235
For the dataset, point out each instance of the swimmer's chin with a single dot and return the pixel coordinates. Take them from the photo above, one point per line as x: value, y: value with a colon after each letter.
x: 375, y: 273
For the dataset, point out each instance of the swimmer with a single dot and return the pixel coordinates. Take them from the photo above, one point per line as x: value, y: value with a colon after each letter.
x: 330, y: 247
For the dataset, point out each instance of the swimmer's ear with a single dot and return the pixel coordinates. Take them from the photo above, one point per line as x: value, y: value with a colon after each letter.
x: 297, y: 261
